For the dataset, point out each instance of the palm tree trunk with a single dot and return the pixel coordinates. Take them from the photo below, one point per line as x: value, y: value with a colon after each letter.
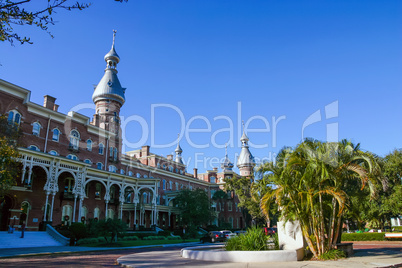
x: 332, y: 228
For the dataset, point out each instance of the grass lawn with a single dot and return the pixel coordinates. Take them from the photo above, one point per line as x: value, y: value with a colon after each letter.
x: 135, y: 243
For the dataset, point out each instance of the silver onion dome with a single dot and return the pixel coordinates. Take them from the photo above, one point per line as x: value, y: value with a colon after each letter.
x: 109, y: 87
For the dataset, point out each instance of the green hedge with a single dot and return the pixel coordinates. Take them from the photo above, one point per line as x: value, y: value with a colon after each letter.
x: 363, y: 237
x: 155, y: 237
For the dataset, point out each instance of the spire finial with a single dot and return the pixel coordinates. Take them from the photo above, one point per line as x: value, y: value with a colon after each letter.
x: 114, y: 37
x: 226, y: 149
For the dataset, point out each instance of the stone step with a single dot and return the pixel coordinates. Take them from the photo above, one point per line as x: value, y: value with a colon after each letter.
x: 31, y: 239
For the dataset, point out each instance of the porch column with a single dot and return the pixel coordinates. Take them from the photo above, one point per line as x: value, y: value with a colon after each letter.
x: 80, y: 207
x: 107, y: 202
x: 135, y: 216
x: 75, y: 205
x: 121, y: 211
x: 47, y: 200
x: 170, y: 213
x: 51, y: 210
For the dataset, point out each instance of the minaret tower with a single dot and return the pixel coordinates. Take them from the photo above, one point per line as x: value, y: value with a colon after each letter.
x: 245, y: 162
x: 226, y: 165
x: 178, y: 151
x: 109, y: 94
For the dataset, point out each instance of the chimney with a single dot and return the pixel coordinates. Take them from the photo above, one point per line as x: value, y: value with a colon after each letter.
x: 195, y: 173
x: 169, y: 157
x: 49, y: 102
x: 215, y: 169
x: 145, y: 151
x: 55, y: 107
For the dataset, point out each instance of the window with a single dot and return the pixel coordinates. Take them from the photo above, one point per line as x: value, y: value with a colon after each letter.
x: 122, y: 171
x: 99, y: 165
x: 212, y: 180
x: 145, y: 176
x: 72, y: 157
x: 98, y: 188
x: 230, y: 206
x: 112, y: 168
x: 170, y: 185
x: 36, y: 129
x: 101, y: 148
x: 177, y: 185
x: 33, y: 148
x: 138, y: 175
x: 87, y: 161
x: 74, y: 139
x: 89, y: 145
x: 14, y: 117
x: 177, y: 170
x: 68, y: 185
x: 130, y: 173
x: 164, y: 184
x: 181, y: 171
x: 96, y: 213
x: 112, y: 192
x: 56, y: 134
x: 53, y: 152
x: 111, y: 151
x: 170, y: 168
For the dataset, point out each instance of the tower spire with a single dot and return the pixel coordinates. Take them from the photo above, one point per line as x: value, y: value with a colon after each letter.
x: 178, y: 151
x: 226, y: 165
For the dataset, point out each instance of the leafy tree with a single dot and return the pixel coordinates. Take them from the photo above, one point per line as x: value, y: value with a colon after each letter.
x: 194, y: 206
x: 110, y: 228
x: 78, y: 231
x: 242, y: 187
x: 313, y: 182
x: 10, y: 135
x: 22, y: 13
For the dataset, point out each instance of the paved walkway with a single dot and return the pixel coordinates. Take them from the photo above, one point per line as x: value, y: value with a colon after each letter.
x: 370, y: 255
x: 362, y: 258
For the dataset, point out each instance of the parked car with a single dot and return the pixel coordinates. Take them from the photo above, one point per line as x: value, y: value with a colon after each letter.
x: 228, y: 234
x: 240, y: 232
x: 270, y: 231
x: 212, y: 237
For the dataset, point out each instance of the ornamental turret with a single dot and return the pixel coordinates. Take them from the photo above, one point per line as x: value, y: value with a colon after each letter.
x: 246, y: 161
x: 226, y: 165
x: 178, y: 152
x: 109, y: 94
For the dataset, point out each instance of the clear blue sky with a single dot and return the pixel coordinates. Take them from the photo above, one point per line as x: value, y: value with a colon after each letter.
x: 284, y: 59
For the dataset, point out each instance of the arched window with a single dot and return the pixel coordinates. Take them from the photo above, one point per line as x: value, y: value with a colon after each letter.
x: 101, y: 148
x: 110, y: 213
x: 230, y: 206
x: 98, y: 188
x: 130, y: 173
x: 112, y: 168
x: 138, y: 175
x: 68, y: 186
x: 89, y: 145
x: 53, y: 152
x: 56, y: 135
x: 74, y: 139
x: 122, y: 171
x: 164, y: 184
x: 14, y: 117
x: 67, y: 213
x: 33, y: 148
x: 99, y: 165
x: 87, y: 161
x: 212, y: 180
x: 36, y: 129
x: 170, y: 168
x: 96, y: 213
x: 145, y: 176
x: 170, y: 185
x: 72, y: 157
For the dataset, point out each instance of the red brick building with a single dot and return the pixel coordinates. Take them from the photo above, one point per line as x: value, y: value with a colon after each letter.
x: 73, y: 169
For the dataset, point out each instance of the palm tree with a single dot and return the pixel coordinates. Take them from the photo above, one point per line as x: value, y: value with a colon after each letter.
x: 312, y: 182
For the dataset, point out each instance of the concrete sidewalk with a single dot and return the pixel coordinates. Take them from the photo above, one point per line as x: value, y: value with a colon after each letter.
x: 31, y: 251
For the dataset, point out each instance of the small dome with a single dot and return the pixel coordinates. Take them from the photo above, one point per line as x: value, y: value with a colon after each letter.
x: 112, y: 55
x: 178, y: 149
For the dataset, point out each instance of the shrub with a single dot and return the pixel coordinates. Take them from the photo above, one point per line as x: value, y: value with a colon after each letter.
x: 333, y: 254
x: 173, y: 238
x: 164, y: 233
x: 101, y: 240
x: 78, y: 230
x: 254, y: 240
x: 363, y: 237
x: 397, y: 228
